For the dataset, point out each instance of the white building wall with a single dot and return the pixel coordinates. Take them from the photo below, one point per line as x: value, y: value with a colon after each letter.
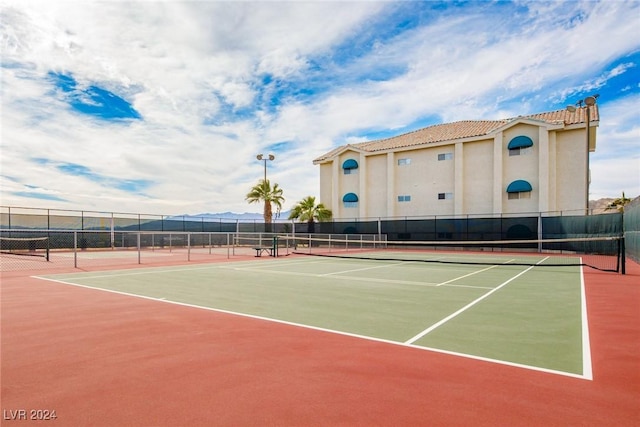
x: 349, y: 183
x: 553, y: 186
x: 524, y: 166
x: 420, y: 176
x: 458, y: 179
x: 391, y: 186
x: 473, y: 176
x: 326, y: 186
x: 543, y: 170
x: 478, y: 177
x: 498, y: 188
x: 377, y: 186
x: 570, y: 170
x: 364, y: 190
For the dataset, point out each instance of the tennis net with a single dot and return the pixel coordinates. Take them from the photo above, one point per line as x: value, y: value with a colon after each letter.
x: 600, y: 253
x: 29, y: 246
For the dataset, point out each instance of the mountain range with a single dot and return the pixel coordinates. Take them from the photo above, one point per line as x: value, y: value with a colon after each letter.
x: 596, y: 207
x: 246, y: 216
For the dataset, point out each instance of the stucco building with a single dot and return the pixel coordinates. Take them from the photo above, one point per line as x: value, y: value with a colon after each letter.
x: 526, y: 164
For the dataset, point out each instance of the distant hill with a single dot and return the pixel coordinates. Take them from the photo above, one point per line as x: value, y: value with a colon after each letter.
x: 246, y: 216
x: 596, y: 207
x: 599, y: 206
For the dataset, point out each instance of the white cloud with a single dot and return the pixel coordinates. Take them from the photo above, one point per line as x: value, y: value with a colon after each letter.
x: 615, y: 165
x: 219, y: 82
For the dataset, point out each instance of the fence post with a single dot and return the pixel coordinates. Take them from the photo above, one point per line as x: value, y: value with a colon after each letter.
x: 113, y: 232
x: 539, y: 232
x: 75, y: 249
x: 623, y: 258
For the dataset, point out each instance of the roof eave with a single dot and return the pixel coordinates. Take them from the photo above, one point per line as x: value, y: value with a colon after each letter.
x: 335, y: 153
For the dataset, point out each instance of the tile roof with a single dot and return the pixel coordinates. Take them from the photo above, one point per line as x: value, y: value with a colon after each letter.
x: 463, y: 129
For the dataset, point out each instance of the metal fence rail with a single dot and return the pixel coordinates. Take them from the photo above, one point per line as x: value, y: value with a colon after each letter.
x: 87, y: 248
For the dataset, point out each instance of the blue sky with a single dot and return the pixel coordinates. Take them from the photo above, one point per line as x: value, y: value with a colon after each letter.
x: 162, y: 107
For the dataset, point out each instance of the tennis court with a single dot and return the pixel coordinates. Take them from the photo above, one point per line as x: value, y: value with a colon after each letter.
x: 508, y: 314
x: 405, y: 337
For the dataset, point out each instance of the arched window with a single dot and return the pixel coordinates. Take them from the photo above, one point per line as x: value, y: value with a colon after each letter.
x: 519, y: 189
x: 349, y: 166
x: 520, y: 145
x: 350, y: 200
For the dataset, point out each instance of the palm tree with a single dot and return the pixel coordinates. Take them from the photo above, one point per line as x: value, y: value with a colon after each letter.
x: 262, y: 192
x: 618, y: 203
x: 307, y: 210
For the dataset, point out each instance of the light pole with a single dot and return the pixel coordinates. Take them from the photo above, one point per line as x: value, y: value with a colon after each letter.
x: 589, y: 102
x: 264, y: 159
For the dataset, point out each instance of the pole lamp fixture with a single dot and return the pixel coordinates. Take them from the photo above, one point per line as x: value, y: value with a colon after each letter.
x: 265, y: 159
x: 588, y: 102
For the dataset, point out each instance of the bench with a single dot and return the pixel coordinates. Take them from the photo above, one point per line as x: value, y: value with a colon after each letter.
x: 260, y: 249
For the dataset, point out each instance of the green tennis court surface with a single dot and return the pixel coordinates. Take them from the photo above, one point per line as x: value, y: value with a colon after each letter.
x: 527, y: 316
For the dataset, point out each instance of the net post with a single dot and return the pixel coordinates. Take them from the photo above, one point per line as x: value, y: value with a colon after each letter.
x: 189, y: 246
x: 47, y: 248
x: 138, y: 238
x: 274, y: 249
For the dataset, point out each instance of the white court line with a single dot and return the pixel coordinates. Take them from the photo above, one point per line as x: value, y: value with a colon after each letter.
x: 468, y: 306
x: 587, y: 368
x: 338, y: 275
x: 352, y: 278
x: 152, y: 270
x: 360, y: 269
x: 160, y: 270
x: 332, y: 331
x: 470, y: 274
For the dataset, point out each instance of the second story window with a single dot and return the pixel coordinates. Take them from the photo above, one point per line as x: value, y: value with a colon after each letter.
x: 350, y: 166
x: 404, y: 162
x: 520, y: 145
x: 350, y: 200
x: 445, y: 156
x: 519, y: 189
